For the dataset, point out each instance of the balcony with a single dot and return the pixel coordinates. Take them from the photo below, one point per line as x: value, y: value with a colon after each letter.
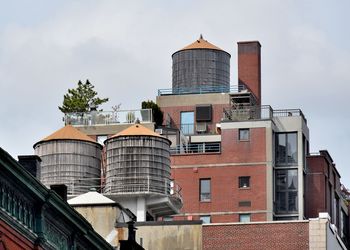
x: 108, y: 117
x: 265, y: 112
x: 201, y: 90
x: 197, y: 148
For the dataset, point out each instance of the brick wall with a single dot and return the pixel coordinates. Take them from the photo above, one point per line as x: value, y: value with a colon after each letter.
x: 225, y: 193
x: 237, y: 158
x: 291, y: 235
x: 232, y: 150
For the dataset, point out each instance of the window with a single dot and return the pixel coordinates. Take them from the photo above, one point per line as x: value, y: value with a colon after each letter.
x: 205, y: 218
x: 286, y: 191
x: 244, y: 181
x: 187, y: 123
x: 101, y: 138
x: 244, y: 218
x: 286, y: 149
x: 204, y: 187
x: 243, y: 134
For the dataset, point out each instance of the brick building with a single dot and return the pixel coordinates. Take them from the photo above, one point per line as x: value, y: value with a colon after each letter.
x: 236, y: 160
x: 323, y: 179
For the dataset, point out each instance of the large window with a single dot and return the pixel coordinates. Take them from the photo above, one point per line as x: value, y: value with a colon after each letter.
x: 286, y: 149
x: 286, y: 191
x: 187, y: 122
x: 204, y: 190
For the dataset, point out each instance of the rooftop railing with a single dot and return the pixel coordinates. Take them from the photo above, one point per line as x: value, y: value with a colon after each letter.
x: 122, y: 185
x: 201, y: 90
x: 264, y: 112
x: 197, y: 148
x: 108, y: 117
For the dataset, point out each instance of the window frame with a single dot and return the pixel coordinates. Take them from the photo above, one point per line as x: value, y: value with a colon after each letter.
x: 284, y: 194
x: 240, y: 181
x: 202, y: 195
x: 286, y: 139
x: 187, y: 128
x: 240, y: 137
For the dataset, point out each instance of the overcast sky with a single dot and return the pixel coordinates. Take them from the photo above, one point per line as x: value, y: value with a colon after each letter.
x: 124, y: 48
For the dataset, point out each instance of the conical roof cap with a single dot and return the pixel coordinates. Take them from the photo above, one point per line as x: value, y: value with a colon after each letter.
x: 136, y: 130
x: 201, y: 44
x: 68, y: 132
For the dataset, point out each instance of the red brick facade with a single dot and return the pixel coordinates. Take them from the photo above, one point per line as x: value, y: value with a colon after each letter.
x: 237, y: 158
x: 291, y: 235
x: 324, y: 180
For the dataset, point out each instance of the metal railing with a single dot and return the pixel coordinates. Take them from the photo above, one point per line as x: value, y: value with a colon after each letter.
x: 202, y: 90
x: 197, y: 148
x: 248, y: 113
x: 264, y: 112
x: 288, y: 113
x: 121, y: 185
x: 108, y: 117
x: 142, y: 184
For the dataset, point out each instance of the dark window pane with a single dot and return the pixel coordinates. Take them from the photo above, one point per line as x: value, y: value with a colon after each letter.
x: 281, y: 148
x: 244, y: 181
x: 281, y: 201
x: 292, y: 201
x: 292, y: 148
x: 281, y: 180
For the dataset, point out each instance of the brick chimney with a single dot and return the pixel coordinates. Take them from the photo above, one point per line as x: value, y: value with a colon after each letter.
x: 249, y: 67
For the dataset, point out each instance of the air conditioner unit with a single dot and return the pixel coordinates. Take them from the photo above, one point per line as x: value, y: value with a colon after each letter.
x: 201, y: 127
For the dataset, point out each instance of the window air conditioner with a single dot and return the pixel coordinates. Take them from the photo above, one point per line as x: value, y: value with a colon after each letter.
x: 201, y: 127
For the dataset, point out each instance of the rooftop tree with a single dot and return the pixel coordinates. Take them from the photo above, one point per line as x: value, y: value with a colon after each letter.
x: 81, y: 99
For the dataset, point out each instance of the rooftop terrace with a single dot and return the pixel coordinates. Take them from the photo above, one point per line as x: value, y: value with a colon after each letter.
x: 108, y: 117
